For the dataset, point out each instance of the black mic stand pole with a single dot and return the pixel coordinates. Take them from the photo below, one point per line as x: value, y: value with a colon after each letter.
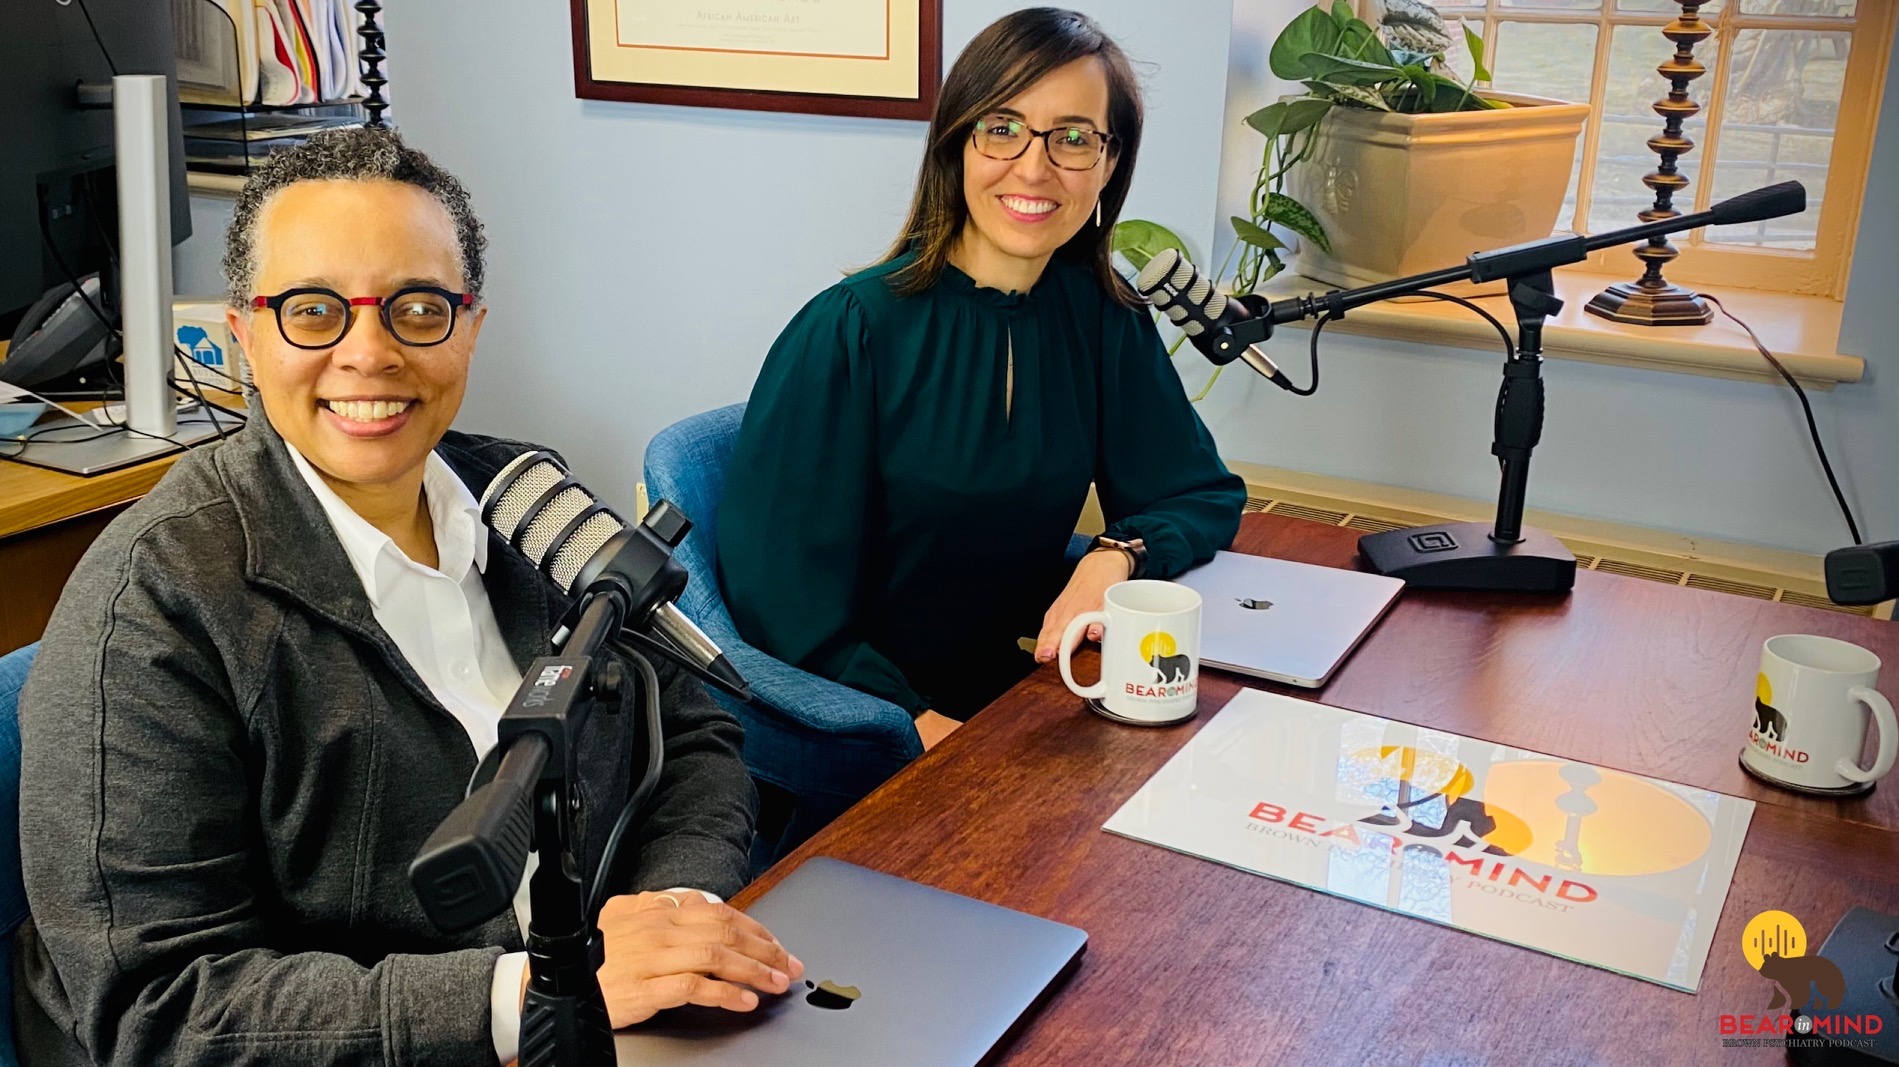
x: 470, y: 867
x: 1504, y: 555
x: 1520, y: 401
x: 564, y: 1019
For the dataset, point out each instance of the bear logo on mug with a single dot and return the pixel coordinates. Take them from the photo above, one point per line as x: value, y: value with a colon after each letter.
x: 1768, y: 721
x: 1158, y: 650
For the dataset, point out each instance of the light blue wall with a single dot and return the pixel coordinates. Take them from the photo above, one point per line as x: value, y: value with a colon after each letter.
x: 195, y: 270
x: 1723, y: 459
x: 644, y: 257
x: 1870, y: 328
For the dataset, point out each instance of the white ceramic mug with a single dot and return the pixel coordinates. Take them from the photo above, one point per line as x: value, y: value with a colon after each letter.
x: 1812, y: 700
x: 1150, y: 651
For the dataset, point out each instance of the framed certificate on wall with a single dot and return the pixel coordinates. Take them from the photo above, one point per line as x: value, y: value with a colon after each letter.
x: 877, y: 58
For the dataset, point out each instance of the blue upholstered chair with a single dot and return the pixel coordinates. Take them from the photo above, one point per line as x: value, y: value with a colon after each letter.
x: 12, y: 893
x: 826, y: 745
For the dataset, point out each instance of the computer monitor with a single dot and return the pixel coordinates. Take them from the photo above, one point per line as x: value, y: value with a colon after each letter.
x: 56, y: 157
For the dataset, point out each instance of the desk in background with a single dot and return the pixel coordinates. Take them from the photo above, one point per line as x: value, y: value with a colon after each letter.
x: 48, y: 520
x: 1192, y: 963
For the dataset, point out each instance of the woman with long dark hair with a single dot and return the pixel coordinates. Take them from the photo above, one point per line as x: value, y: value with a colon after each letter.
x: 921, y: 440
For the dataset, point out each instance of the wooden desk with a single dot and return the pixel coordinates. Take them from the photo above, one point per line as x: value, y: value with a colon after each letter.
x: 32, y: 498
x: 1193, y: 963
x: 47, y: 521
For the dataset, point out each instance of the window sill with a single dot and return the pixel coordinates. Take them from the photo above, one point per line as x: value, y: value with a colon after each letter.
x: 1801, y: 331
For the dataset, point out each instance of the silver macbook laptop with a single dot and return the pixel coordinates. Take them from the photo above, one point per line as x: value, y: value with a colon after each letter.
x: 1284, y: 621
x: 895, y: 973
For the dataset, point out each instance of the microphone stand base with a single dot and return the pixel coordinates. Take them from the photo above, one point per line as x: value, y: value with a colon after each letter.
x: 1865, y: 946
x: 1461, y: 555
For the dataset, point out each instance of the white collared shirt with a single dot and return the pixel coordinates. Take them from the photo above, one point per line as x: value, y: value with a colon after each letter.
x: 440, y: 619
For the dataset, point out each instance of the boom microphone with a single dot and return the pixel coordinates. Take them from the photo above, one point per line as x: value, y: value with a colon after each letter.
x: 582, y: 545
x: 1204, y: 313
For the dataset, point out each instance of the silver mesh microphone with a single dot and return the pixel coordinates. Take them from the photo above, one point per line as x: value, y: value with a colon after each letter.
x: 1192, y: 303
x: 1189, y: 301
x: 568, y: 534
x: 528, y: 505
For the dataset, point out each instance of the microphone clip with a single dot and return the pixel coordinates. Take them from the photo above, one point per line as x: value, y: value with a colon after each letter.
x: 635, y: 567
x: 1232, y: 340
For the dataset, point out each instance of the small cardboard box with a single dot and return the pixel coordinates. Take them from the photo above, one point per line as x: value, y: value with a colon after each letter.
x: 199, y: 328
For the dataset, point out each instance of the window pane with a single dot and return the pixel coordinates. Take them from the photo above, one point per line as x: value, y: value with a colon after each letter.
x: 1546, y: 59
x: 1828, y: 8
x: 1560, y: 5
x: 1629, y: 120
x: 1782, y: 108
x: 1670, y: 6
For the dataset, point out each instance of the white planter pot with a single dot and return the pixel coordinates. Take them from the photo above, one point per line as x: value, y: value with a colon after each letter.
x: 1404, y: 194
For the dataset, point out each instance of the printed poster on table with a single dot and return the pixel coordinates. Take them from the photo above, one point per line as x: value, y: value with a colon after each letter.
x: 1605, y: 868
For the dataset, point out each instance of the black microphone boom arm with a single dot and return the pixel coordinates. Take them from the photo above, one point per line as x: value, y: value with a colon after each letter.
x: 1531, y: 257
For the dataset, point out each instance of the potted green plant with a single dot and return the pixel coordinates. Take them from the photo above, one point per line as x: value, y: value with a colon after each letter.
x: 1387, y: 165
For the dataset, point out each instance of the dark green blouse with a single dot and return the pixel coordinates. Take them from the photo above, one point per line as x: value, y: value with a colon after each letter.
x: 896, y: 516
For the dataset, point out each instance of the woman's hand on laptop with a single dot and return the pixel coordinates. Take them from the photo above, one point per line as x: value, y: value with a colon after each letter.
x: 666, y: 950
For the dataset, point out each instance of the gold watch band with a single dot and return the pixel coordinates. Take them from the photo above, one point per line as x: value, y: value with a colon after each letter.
x: 1134, y: 549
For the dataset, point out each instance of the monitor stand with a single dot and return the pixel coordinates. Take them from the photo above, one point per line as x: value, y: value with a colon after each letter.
x: 76, y: 447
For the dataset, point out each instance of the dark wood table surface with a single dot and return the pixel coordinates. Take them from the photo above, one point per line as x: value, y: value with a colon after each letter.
x: 1193, y: 963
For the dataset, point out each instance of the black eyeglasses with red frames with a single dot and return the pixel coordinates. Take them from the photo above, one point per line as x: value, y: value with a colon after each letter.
x: 418, y: 315
x: 1069, y: 147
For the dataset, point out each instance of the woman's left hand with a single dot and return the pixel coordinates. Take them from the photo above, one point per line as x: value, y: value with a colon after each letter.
x: 1093, y: 575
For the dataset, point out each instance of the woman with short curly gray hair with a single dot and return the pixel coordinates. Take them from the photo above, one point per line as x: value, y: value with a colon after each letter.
x: 271, y: 679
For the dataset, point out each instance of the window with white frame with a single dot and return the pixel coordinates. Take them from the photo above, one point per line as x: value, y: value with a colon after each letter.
x: 1792, y: 92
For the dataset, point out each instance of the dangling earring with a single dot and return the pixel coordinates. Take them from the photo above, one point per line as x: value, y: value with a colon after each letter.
x: 1097, y: 213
